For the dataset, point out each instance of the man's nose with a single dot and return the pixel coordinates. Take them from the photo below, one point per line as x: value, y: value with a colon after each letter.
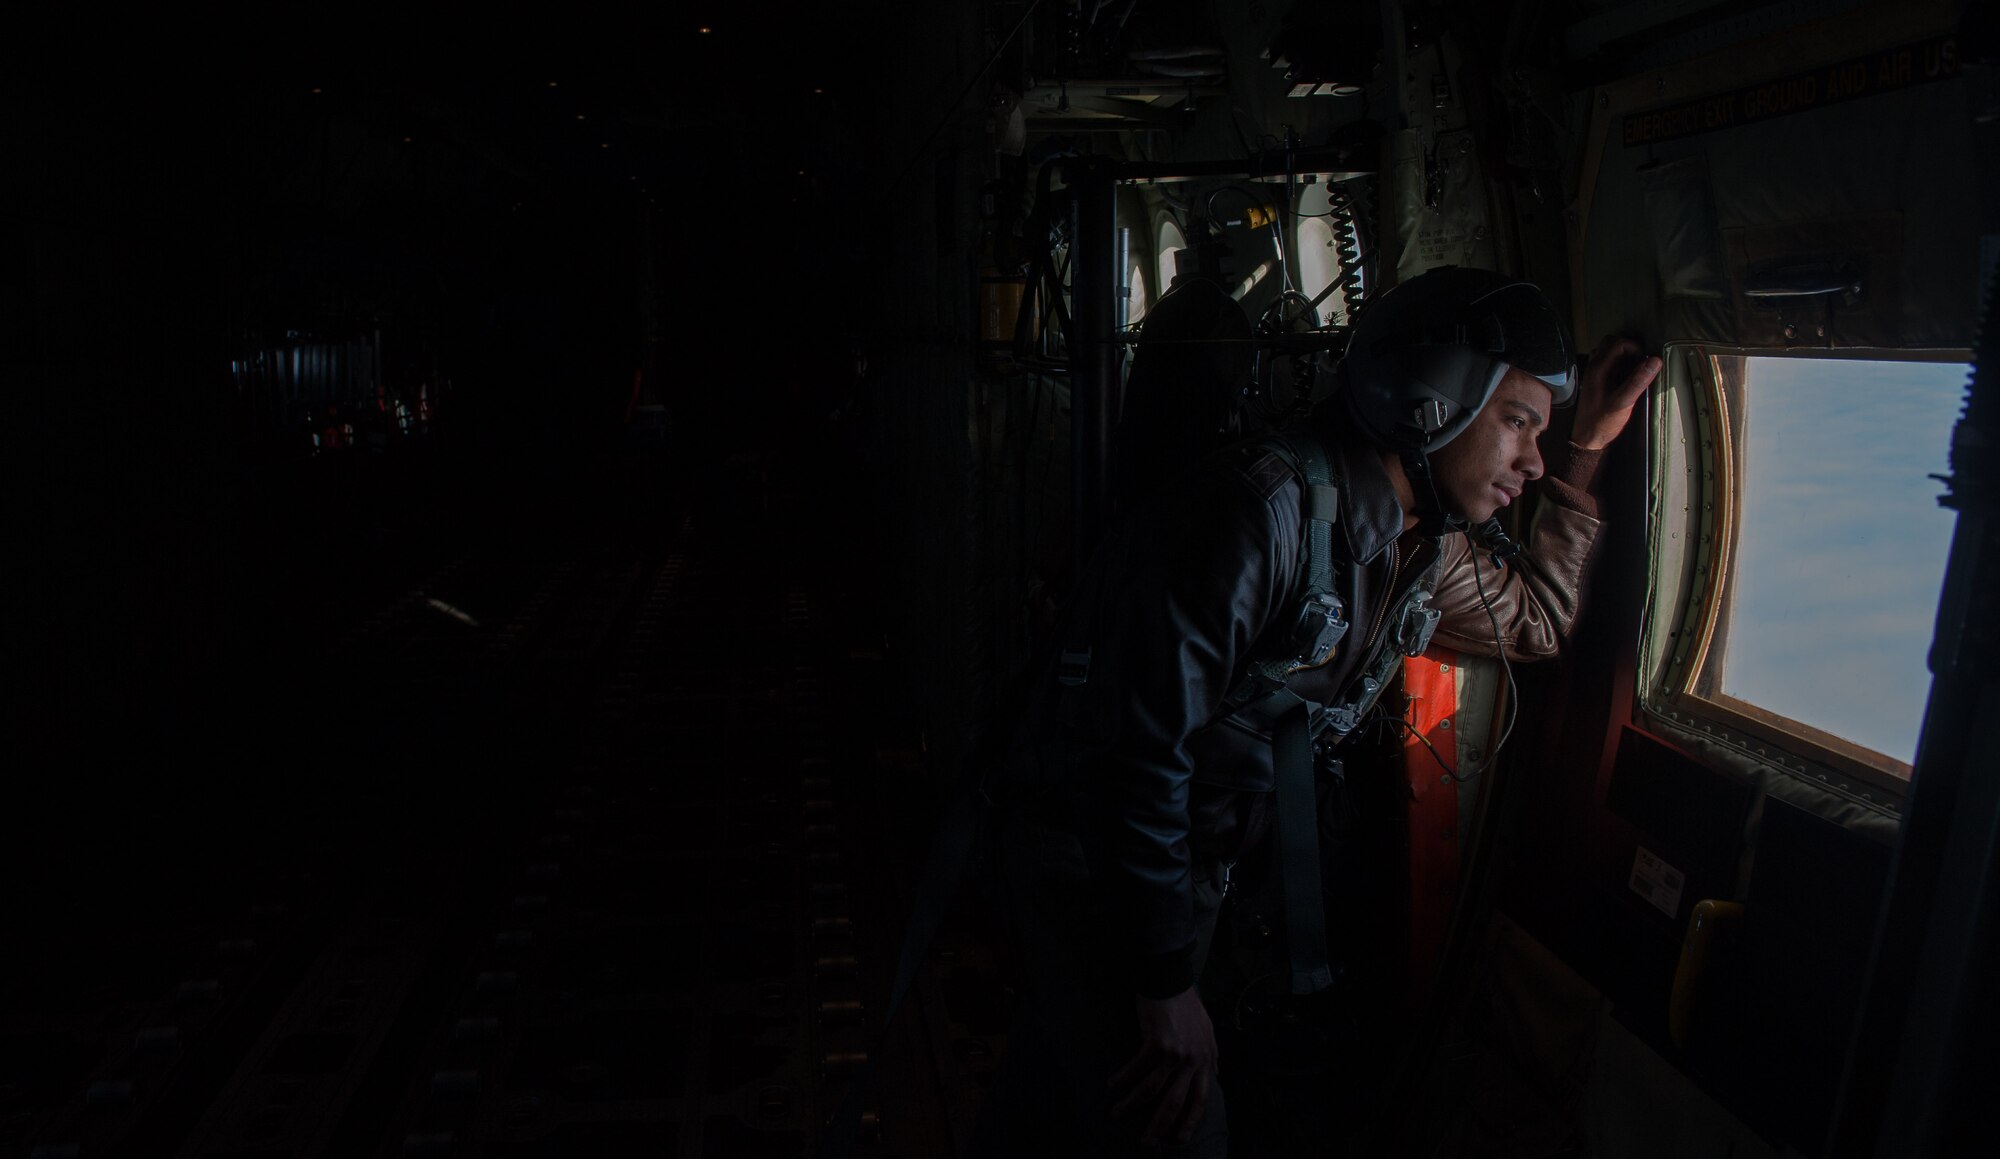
x: 1530, y: 462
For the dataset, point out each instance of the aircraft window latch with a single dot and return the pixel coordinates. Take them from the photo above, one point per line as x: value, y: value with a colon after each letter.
x: 1804, y: 293
x: 1813, y: 280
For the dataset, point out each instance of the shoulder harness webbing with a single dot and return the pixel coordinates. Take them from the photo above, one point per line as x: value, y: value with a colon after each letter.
x: 1315, y: 625
x: 1317, y: 619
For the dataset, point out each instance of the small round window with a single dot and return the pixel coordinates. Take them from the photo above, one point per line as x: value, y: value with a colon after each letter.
x: 1172, y: 241
x: 1319, y: 263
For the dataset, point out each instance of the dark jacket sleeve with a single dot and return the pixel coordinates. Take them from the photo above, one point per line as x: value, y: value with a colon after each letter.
x: 1535, y: 597
x: 1178, y: 597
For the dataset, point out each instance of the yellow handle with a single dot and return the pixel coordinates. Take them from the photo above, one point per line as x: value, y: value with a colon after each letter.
x: 1709, y: 931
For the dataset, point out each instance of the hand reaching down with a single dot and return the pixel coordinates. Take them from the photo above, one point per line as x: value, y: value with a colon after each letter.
x: 1171, y: 1073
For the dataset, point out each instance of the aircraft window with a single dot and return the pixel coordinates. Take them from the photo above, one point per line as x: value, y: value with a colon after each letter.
x: 1812, y: 623
x: 1319, y: 264
x: 1172, y: 241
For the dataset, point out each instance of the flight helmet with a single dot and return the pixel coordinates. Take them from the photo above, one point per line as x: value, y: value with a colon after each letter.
x: 1426, y: 355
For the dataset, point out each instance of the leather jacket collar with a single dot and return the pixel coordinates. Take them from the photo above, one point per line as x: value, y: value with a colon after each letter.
x: 1371, y: 515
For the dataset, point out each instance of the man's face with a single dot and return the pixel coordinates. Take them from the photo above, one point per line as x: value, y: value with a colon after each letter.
x: 1488, y: 464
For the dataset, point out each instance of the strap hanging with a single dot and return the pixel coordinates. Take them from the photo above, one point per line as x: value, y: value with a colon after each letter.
x: 1298, y: 849
x: 1322, y: 508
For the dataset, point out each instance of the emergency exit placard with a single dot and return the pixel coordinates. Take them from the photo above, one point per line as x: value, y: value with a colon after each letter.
x: 1657, y: 882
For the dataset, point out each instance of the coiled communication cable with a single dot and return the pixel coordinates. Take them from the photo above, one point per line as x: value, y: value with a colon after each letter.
x: 1351, y: 249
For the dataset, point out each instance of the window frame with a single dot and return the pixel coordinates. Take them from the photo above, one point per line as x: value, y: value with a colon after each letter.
x: 1680, y: 688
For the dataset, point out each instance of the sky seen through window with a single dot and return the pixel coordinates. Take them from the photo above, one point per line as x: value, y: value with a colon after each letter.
x: 1841, y: 551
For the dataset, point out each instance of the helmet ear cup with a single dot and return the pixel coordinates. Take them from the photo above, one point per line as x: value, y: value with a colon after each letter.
x: 1420, y: 398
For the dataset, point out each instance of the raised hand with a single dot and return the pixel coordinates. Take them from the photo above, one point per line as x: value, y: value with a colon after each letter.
x: 1614, y: 380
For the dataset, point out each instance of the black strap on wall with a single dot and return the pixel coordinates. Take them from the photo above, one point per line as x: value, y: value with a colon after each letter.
x: 956, y: 835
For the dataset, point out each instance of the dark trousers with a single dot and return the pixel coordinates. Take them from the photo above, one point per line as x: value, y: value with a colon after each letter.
x: 1074, y: 1025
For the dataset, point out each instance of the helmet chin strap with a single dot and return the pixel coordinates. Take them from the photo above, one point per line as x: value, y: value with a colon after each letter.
x: 1432, y: 518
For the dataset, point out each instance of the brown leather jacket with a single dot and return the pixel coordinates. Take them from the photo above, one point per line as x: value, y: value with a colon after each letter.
x: 1185, y: 591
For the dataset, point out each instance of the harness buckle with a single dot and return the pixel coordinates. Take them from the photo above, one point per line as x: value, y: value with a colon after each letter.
x: 1322, y: 624
x: 1416, y: 624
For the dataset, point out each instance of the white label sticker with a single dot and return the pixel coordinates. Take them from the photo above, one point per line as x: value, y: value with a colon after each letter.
x: 1657, y: 882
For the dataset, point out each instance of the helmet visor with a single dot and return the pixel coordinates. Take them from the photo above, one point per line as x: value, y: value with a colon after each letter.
x: 1520, y: 327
